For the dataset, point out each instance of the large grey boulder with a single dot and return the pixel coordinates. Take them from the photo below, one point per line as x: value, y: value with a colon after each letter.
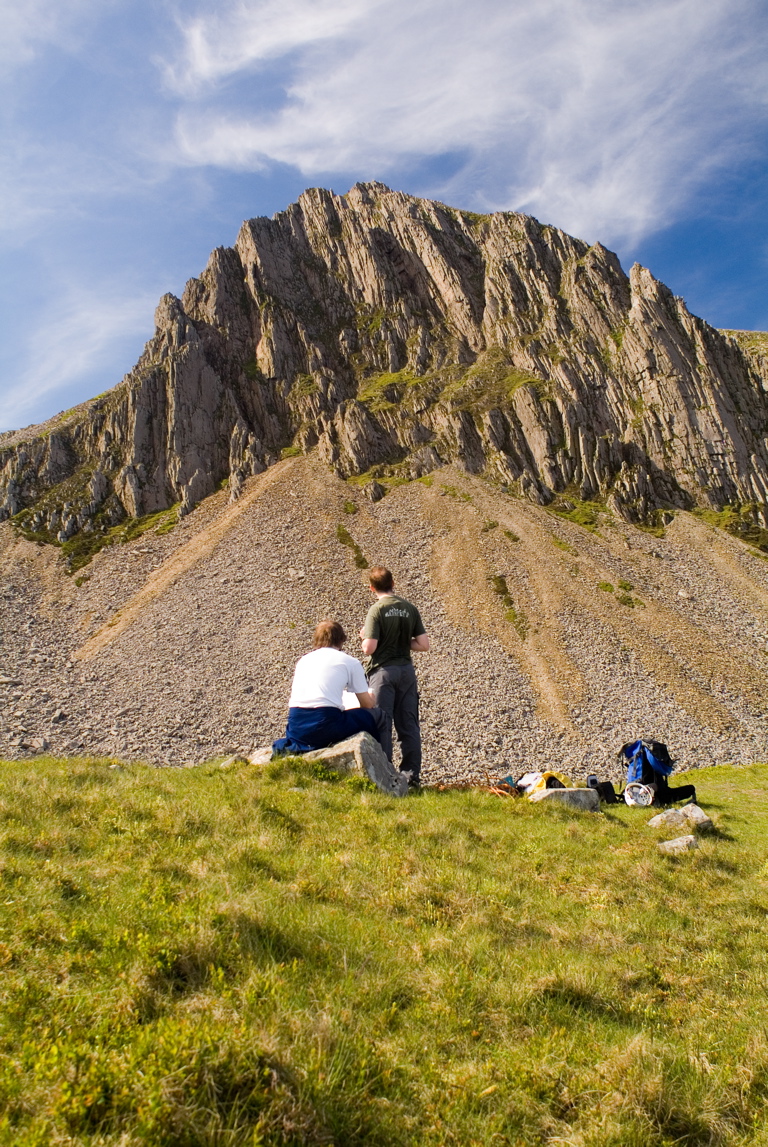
x: 363, y: 754
x: 678, y: 845
x: 586, y: 800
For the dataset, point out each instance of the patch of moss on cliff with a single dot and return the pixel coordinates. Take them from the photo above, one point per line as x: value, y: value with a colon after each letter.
x: 492, y: 381
x: 580, y: 512
x: 303, y: 386
x: 368, y: 322
x: 754, y: 342
x: 740, y: 522
x: 252, y: 371
x: 385, y: 391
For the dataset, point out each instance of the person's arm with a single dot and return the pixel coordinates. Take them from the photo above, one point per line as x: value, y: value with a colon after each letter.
x: 369, y: 634
x: 367, y: 700
x: 419, y: 644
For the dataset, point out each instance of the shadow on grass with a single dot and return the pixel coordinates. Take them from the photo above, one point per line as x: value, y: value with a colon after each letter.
x: 279, y: 819
x: 568, y: 998
x: 262, y: 941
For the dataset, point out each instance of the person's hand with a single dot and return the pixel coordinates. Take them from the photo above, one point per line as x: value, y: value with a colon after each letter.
x: 362, y: 634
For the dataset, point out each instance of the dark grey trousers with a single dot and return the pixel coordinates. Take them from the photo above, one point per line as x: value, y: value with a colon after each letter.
x: 397, y: 695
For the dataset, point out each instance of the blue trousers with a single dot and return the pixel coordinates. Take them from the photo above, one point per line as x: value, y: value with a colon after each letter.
x: 309, y: 729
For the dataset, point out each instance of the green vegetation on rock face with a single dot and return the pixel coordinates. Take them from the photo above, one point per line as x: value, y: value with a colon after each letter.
x: 739, y: 521
x: 586, y: 514
x: 244, y: 956
x: 755, y: 342
x: 303, y: 386
x: 491, y: 381
x: 383, y: 391
x: 82, y: 547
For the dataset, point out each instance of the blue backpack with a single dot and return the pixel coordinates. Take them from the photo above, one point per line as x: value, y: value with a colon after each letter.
x: 648, y: 761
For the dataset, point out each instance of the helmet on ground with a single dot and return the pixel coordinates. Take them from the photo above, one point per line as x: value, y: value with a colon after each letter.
x: 638, y: 795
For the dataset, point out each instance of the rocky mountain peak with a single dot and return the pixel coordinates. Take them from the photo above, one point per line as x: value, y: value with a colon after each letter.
x: 393, y: 335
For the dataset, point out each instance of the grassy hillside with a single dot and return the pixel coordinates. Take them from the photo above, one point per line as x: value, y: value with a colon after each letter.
x: 220, y: 957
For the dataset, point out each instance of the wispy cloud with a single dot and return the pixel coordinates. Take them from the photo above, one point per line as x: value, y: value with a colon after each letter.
x: 28, y: 26
x: 604, y: 117
x: 80, y: 340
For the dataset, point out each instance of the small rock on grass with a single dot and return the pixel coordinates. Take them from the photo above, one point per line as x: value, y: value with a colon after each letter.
x: 261, y: 756
x: 689, y: 814
x: 696, y: 816
x: 235, y: 759
x: 678, y: 845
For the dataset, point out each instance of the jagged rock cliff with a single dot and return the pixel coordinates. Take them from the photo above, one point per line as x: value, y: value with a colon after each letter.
x: 395, y: 334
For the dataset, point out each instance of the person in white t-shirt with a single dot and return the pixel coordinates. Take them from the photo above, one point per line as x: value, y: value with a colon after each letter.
x: 316, y: 713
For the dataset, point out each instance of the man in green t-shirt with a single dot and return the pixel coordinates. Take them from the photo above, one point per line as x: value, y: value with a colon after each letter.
x: 393, y: 630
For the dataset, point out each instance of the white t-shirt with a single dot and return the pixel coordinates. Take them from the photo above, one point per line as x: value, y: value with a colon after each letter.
x: 321, y: 677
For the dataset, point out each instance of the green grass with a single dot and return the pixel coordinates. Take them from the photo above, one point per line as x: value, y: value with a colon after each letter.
x: 514, y: 616
x: 738, y: 521
x: 246, y: 956
x: 452, y: 492
x: 492, y: 381
x: 384, y: 391
x: 346, y: 539
x: 80, y: 549
x: 754, y: 341
x: 580, y: 512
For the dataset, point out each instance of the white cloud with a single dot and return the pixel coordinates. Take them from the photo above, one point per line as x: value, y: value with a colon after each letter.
x: 78, y: 341
x: 604, y: 116
x: 30, y: 24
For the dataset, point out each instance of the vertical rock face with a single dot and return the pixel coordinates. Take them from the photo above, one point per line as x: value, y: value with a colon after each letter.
x: 398, y: 333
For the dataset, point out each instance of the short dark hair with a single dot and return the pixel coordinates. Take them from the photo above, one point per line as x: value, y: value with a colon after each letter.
x: 381, y: 579
x: 329, y: 635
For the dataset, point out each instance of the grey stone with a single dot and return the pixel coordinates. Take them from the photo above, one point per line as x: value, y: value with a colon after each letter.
x: 59, y: 716
x: 363, y: 754
x: 261, y: 756
x: 374, y: 490
x: 40, y: 744
x: 586, y: 800
x: 689, y: 814
x: 678, y: 845
x: 670, y: 818
x: 696, y: 816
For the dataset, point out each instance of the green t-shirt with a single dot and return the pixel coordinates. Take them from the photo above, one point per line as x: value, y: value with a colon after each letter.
x: 393, y: 621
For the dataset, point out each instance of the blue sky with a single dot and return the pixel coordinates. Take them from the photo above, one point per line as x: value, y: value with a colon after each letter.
x: 137, y: 136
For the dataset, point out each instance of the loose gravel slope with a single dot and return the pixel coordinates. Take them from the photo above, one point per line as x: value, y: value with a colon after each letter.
x: 181, y: 646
